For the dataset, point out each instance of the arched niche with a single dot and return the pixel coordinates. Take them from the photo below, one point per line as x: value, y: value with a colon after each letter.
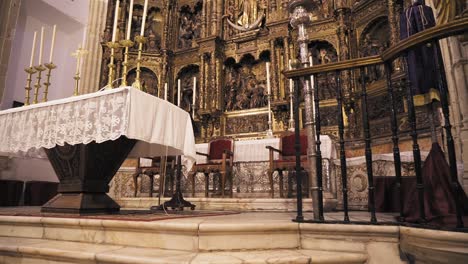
x: 154, y: 29
x: 375, y: 38
x: 324, y: 52
x: 186, y: 76
x: 190, y: 22
x: 148, y: 79
x: 245, y: 82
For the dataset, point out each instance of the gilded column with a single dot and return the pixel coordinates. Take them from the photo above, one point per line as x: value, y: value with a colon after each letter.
x: 275, y: 70
x: 213, y: 91
x: 214, y: 18
x: 394, y: 10
x: 9, y: 12
x: 219, y: 15
x: 286, y: 59
x: 207, y: 16
x: 219, y: 83
x: 201, y: 101
x: 91, y: 72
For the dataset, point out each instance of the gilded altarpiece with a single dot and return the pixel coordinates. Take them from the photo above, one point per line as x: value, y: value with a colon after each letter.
x: 225, y: 44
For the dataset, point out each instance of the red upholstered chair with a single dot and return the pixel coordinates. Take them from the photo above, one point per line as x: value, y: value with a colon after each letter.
x: 220, y: 161
x: 287, y: 162
x: 156, y: 168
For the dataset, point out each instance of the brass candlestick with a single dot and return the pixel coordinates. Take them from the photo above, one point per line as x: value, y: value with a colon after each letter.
x: 77, y: 84
x: 78, y: 54
x: 113, y: 46
x: 140, y: 40
x: 127, y: 44
x: 37, y: 86
x: 30, y: 71
x: 50, y: 66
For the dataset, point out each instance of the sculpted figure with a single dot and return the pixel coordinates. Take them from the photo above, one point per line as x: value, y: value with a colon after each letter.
x: 422, y: 61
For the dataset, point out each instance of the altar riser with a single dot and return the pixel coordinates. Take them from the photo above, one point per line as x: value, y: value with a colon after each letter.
x: 230, y: 204
x: 267, y: 236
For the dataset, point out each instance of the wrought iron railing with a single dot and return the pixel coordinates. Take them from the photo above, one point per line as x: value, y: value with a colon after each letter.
x: 358, y: 66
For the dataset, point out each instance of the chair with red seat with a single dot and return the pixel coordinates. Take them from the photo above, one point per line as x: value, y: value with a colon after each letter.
x: 287, y: 162
x: 220, y: 161
x: 157, y: 166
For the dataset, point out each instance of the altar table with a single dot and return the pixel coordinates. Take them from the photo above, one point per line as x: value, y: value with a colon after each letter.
x: 87, y: 138
x: 255, y: 150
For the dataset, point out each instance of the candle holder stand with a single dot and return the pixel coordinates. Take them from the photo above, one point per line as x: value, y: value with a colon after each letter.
x: 37, y: 86
x: 269, y: 132
x: 140, y: 40
x: 50, y: 66
x: 194, y: 107
x: 291, y: 118
x: 80, y: 52
x: 30, y: 71
x: 126, y: 44
x: 113, y: 46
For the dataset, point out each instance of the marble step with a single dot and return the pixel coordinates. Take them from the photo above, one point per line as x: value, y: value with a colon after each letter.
x: 28, y: 251
x: 245, y: 231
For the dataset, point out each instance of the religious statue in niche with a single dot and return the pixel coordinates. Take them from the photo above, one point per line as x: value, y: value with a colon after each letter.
x: 323, y: 52
x: 189, y: 25
x: 422, y: 61
x: 153, y: 30
x: 374, y: 40
x: 245, y: 15
x: 243, y: 90
x: 149, y: 81
x: 186, y: 76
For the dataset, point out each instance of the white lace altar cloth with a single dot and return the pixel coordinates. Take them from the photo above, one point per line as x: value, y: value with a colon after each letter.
x: 160, y: 127
x: 256, y: 151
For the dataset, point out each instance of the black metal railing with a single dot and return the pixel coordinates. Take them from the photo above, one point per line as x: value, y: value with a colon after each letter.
x: 396, y: 55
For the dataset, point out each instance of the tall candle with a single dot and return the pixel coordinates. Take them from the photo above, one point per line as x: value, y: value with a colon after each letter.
x: 116, y: 17
x: 41, y: 46
x: 33, y: 49
x: 291, y: 84
x: 178, y: 92
x: 143, y: 21
x: 78, y: 60
x: 268, y: 77
x: 165, y: 91
x: 52, y: 44
x: 312, y: 76
x: 194, y: 90
x: 130, y: 15
x: 83, y: 43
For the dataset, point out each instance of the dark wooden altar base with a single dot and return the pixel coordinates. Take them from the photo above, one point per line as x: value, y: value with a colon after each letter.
x: 84, y: 172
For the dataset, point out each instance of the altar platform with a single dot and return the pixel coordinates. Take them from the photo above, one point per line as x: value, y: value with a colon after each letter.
x: 247, y: 237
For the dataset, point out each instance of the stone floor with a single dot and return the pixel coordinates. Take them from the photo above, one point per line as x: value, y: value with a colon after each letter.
x: 205, y: 216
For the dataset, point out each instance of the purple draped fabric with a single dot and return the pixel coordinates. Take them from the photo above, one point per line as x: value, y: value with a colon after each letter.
x: 439, y: 199
x: 421, y: 60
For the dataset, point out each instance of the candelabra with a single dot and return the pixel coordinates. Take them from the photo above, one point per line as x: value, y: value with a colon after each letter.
x: 113, y: 46
x: 50, y: 66
x: 30, y: 71
x: 37, y: 86
x: 127, y: 44
x: 140, y: 40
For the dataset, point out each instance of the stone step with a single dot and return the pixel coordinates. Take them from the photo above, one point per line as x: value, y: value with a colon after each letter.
x: 38, y: 251
x: 246, y: 231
